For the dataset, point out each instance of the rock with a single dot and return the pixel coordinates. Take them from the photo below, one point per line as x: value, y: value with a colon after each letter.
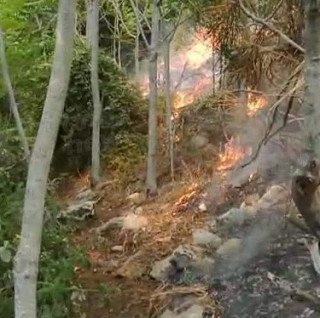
x: 134, y: 222
x: 200, y: 141
x: 202, y: 207
x: 78, y: 212
x: 235, y: 216
x: 114, y: 223
x: 161, y: 269
x: 229, y: 248
x: 85, y: 195
x: 130, y: 222
x: 275, y: 197
x: 213, y: 224
x: 136, y: 198
x: 205, y: 238
x: 131, y: 269
x: 185, y: 257
x: 138, y: 210
x: 251, y: 199
x: 117, y: 249
x: 195, y: 311
x: 202, y: 266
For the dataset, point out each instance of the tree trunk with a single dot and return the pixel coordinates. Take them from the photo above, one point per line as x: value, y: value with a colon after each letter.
x: 13, y: 104
x: 93, y: 40
x: 213, y: 69
x: 119, y: 53
x: 27, y: 257
x: 312, y: 74
x: 168, y: 99
x: 221, y: 69
x: 137, y: 47
x: 152, y: 134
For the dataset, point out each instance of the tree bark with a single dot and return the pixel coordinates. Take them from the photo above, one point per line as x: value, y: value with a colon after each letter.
x: 93, y: 40
x: 168, y: 98
x: 137, y: 47
x: 27, y: 257
x: 13, y: 103
x: 152, y: 135
x: 312, y: 74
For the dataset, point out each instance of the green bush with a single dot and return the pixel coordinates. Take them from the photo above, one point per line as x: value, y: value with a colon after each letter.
x: 124, y: 112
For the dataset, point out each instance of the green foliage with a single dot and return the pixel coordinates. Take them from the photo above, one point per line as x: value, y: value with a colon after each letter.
x: 58, y: 256
x: 124, y: 116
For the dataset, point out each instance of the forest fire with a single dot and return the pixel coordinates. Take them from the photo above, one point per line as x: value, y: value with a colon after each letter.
x: 255, y: 104
x: 232, y: 154
x: 191, y: 71
x: 198, y: 54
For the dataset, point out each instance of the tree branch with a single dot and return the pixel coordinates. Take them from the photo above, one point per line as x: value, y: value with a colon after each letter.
x: 267, y: 137
x: 270, y: 27
x: 136, y: 13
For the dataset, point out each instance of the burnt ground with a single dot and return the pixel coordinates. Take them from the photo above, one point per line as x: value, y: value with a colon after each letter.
x: 239, y: 284
x: 270, y: 245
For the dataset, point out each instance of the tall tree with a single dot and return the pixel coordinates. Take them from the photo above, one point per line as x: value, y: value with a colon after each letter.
x: 93, y: 40
x: 27, y: 257
x: 312, y: 74
x: 151, y: 183
x: 167, y: 38
x: 13, y: 103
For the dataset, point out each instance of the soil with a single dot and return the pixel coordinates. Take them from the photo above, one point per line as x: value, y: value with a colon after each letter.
x: 240, y: 286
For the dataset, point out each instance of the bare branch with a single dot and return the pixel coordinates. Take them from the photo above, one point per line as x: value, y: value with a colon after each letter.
x: 119, y: 13
x: 267, y: 137
x: 136, y: 13
x: 13, y: 103
x: 270, y: 27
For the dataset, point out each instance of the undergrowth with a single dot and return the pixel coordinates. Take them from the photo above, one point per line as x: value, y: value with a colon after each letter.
x: 59, y: 256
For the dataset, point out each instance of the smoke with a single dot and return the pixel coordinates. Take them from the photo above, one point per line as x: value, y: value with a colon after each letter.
x: 254, y: 244
x: 190, y: 66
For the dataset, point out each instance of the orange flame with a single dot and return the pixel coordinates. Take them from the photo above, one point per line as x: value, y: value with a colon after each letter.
x: 198, y: 54
x: 182, y: 99
x: 255, y: 104
x: 232, y: 154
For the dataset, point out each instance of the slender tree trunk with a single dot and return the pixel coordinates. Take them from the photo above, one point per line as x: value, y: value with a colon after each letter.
x: 168, y: 98
x: 27, y: 258
x: 213, y: 70
x: 221, y: 69
x: 93, y: 18
x: 312, y: 74
x: 137, y: 47
x: 152, y: 136
x: 119, y: 52
x: 13, y: 104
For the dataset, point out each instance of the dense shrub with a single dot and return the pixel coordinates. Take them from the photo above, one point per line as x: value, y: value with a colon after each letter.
x: 124, y: 117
